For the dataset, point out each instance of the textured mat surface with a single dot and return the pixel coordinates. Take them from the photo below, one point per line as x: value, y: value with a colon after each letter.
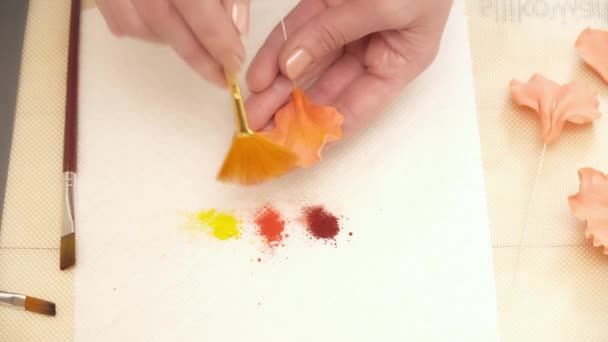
x: 29, y: 235
x: 560, y: 294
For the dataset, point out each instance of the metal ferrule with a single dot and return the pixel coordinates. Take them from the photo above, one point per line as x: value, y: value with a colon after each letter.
x: 68, y: 226
x: 238, y: 105
x: 13, y: 299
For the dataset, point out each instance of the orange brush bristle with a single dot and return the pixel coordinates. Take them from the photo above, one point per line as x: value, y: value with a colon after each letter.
x: 252, y: 158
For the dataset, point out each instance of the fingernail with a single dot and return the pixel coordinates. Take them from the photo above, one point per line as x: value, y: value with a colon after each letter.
x: 297, y: 63
x: 240, y: 16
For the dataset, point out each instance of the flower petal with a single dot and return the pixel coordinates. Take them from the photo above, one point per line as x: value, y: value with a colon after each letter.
x: 555, y: 105
x: 592, y: 46
x: 575, y: 103
x: 537, y: 94
x: 305, y: 128
x: 590, y: 204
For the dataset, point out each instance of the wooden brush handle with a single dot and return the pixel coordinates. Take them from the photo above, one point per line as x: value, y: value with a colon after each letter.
x: 70, y: 142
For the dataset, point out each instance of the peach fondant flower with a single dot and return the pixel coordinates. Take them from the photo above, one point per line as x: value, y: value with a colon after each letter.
x: 555, y: 104
x: 592, y: 46
x: 591, y: 205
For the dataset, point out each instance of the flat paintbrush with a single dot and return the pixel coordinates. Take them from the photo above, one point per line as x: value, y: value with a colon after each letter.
x: 68, y: 232
x: 28, y: 303
x: 252, y: 158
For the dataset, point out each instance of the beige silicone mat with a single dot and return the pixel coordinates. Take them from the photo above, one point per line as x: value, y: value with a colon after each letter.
x: 29, y: 235
x: 562, y: 278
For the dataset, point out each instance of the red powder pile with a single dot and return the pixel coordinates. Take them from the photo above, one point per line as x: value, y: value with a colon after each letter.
x: 270, y: 225
x: 320, y: 223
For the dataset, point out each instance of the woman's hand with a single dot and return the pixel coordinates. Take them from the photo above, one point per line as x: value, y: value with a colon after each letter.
x: 204, y: 33
x: 358, y: 53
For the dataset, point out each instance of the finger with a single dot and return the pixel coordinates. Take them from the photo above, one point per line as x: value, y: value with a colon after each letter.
x: 386, y: 72
x: 264, y: 68
x: 366, y: 96
x: 107, y: 13
x: 162, y: 17
x: 129, y: 20
x: 227, y: 5
x: 214, y: 30
x: 335, y: 79
x: 329, y: 31
x: 262, y: 106
x: 239, y: 12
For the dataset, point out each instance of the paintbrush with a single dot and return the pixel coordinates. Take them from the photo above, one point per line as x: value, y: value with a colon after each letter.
x: 252, y: 158
x: 68, y: 232
x: 28, y: 303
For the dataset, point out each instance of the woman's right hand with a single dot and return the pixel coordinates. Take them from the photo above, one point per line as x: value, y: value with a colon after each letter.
x: 204, y: 33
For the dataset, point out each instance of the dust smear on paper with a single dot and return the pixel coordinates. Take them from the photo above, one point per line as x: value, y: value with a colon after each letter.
x: 217, y: 224
x: 320, y: 223
x: 269, y: 226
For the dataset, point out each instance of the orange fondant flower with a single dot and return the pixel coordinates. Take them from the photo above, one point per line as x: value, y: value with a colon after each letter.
x: 555, y: 104
x: 591, y: 205
x: 592, y: 46
x: 305, y: 128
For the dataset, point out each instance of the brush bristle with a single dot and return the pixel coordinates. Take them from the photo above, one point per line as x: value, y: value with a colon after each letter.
x: 67, y: 251
x: 253, y: 159
x: 39, y: 306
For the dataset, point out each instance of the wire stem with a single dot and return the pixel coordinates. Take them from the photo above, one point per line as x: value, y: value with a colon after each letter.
x: 531, y: 203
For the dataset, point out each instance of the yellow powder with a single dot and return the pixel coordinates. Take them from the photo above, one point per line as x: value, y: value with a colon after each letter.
x: 223, y: 225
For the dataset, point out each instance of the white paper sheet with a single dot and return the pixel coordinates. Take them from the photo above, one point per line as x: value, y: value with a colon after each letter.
x: 417, y: 268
